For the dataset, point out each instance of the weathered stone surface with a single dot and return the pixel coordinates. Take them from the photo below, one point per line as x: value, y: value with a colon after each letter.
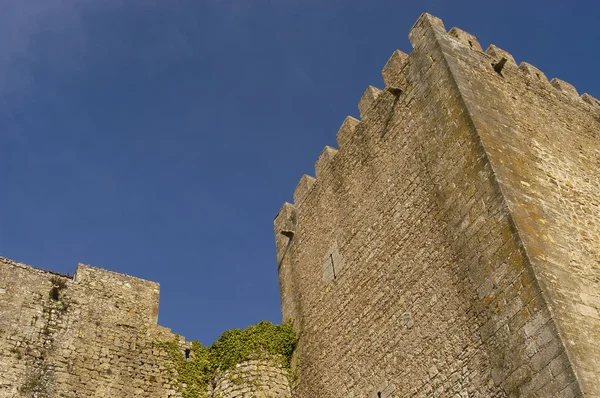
x: 565, y: 87
x: 533, y: 72
x: 449, y: 248
x: 324, y: 159
x: 303, y: 188
x: 253, y: 379
x: 95, y: 335
x: 465, y: 38
x: 367, y: 100
x: 497, y: 54
x: 393, y: 69
x: 346, y: 131
x: 90, y: 335
x: 466, y: 211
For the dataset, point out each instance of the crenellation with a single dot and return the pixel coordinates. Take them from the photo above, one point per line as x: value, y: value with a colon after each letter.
x: 346, y: 131
x: 303, y: 188
x: 286, y: 219
x: 324, y: 159
x: 570, y: 92
x: 465, y: 38
x: 565, y: 87
x: 448, y: 249
x: 590, y: 100
x: 425, y: 26
x: 593, y: 105
x: 533, y: 72
x: 96, y: 335
x: 392, y: 71
x: 367, y: 100
x: 285, y: 227
x: 13, y: 263
x: 497, y: 54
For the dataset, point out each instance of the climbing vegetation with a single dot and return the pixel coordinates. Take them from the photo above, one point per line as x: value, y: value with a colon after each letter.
x: 193, y: 371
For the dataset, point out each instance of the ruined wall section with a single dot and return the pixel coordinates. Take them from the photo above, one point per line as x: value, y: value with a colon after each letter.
x: 90, y: 336
x: 96, y: 335
x: 543, y: 141
x: 433, y: 293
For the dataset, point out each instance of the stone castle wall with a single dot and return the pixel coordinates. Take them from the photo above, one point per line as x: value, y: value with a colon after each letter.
x: 434, y: 255
x: 543, y: 142
x: 449, y: 247
x: 87, y: 336
x: 95, y: 335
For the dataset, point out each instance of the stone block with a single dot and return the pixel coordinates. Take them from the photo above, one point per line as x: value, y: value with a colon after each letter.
x: 303, y: 188
x: 367, y: 100
x: 324, y: 160
x: 346, y: 131
x: 465, y: 38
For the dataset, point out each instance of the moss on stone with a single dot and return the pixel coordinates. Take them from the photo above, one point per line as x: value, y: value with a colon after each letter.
x: 193, y: 375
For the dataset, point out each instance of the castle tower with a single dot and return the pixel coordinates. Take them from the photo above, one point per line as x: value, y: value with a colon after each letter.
x: 451, y: 245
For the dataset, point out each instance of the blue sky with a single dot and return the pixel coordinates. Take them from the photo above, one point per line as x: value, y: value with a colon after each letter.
x: 160, y: 138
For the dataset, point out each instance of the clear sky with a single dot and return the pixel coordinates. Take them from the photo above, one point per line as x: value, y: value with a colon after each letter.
x: 160, y: 138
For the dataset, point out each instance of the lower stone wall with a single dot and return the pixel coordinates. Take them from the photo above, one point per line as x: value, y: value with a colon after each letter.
x: 401, y: 264
x: 253, y: 379
x: 64, y: 337
x: 95, y: 335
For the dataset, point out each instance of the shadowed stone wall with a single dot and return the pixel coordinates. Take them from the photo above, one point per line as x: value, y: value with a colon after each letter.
x: 543, y: 142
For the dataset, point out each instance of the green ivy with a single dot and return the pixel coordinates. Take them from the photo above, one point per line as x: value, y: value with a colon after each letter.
x: 262, y: 341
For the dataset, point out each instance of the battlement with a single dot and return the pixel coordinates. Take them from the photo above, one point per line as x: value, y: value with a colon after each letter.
x: 395, y: 78
x: 458, y: 192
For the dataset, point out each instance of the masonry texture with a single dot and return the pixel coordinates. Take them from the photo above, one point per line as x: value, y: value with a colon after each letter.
x: 449, y: 248
x: 95, y: 335
x: 463, y: 210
